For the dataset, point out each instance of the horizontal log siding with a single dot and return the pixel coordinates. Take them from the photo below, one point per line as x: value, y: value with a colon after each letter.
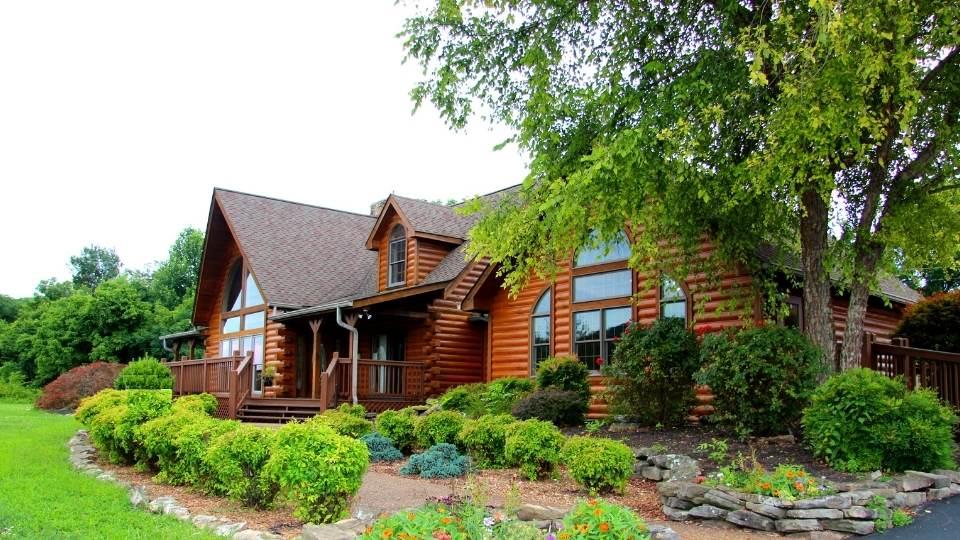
x: 428, y: 255
x: 280, y: 351
x: 221, y: 257
x: 382, y: 244
x: 880, y: 321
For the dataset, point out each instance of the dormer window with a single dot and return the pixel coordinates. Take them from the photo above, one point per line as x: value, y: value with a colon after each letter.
x: 397, y: 253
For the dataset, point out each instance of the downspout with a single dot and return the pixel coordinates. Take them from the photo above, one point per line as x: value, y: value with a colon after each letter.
x: 354, y: 353
x: 163, y: 343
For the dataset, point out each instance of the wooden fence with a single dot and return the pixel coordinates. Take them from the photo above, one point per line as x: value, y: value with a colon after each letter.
x: 229, y: 379
x: 920, y: 368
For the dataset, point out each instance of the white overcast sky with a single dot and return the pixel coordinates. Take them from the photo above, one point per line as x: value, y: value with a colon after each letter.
x: 118, y: 118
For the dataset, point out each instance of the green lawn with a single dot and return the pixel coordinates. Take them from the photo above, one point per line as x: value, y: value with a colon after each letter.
x: 42, y: 496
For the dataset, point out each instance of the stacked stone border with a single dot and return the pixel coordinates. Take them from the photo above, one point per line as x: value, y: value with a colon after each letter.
x: 846, y: 511
x: 82, y: 457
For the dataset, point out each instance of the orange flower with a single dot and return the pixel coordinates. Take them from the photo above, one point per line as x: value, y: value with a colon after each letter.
x: 790, y: 474
x: 801, y: 473
x: 604, y: 527
x: 592, y: 502
x: 799, y: 486
x: 583, y: 528
x: 598, y: 512
x: 776, y: 493
x: 446, y: 520
x: 765, y: 486
x: 387, y: 533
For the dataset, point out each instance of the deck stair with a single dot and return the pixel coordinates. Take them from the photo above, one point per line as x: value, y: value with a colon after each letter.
x: 278, y: 410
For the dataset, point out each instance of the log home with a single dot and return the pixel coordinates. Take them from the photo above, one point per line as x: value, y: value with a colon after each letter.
x: 301, y: 307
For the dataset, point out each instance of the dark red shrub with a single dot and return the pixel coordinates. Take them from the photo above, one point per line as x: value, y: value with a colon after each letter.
x: 66, y: 391
x: 933, y: 323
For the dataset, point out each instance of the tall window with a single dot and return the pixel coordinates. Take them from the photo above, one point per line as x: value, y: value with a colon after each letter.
x: 540, y: 331
x: 243, y: 318
x: 596, y: 334
x: 397, y: 257
x: 673, y: 301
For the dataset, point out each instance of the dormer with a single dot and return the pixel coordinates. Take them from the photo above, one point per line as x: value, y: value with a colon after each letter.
x: 411, y: 238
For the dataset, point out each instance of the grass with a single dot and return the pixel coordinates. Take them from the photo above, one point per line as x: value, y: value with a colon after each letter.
x: 42, y: 496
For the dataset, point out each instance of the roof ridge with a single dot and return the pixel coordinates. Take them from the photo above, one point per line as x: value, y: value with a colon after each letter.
x: 215, y: 189
x: 465, y: 201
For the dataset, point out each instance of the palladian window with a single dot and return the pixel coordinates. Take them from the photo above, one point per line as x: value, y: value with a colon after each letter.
x: 397, y: 257
x: 243, y: 319
x: 540, y: 330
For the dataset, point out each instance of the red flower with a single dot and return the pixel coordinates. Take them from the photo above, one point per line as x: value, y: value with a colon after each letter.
x: 598, y: 361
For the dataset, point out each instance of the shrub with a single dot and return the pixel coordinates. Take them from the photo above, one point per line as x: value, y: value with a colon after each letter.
x: 600, y: 519
x: 788, y: 482
x: 66, y: 391
x: 565, y: 373
x: 466, y: 398
x: 761, y: 377
x: 398, y: 426
x: 97, y: 403
x: 381, y: 448
x: 651, y: 374
x: 439, y: 427
x: 235, y: 460
x: 534, y: 446
x: 440, y: 461
x: 933, y: 323
x: 317, y: 469
x: 12, y: 388
x: 861, y: 420
x: 503, y: 393
x: 562, y: 407
x: 599, y: 464
x: 357, y: 410
x: 200, y: 403
x: 145, y: 374
x: 114, y: 416
x: 190, y: 443
x: 344, y: 422
x: 450, y: 521
x: 484, y: 439
x: 156, y: 438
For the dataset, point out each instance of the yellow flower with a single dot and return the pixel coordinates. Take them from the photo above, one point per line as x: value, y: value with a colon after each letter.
x: 411, y: 516
x: 564, y: 536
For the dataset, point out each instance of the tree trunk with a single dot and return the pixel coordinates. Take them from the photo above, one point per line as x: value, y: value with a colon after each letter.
x: 866, y: 266
x: 817, y: 316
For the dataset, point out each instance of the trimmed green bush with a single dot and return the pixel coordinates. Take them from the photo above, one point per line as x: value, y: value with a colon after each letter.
x: 156, y: 438
x: 562, y: 407
x: 485, y: 438
x: 344, y: 422
x: 651, y: 375
x: 598, y: 464
x: 92, y: 406
x: 586, y: 521
x: 440, y: 461
x: 861, y: 420
x: 439, y: 427
x: 113, y: 418
x: 534, y: 446
x: 144, y: 374
x: 477, y: 399
x: 381, y: 449
x: 201, y: 403
x: 762, y: 378
x: 357, y: 410
x: 235, y: 460
x: 317, y: 469
x: 399, y: 427
x: 933, y: 323
x: 466, y: 398
x: 565, y: 373
x: 190, y: 445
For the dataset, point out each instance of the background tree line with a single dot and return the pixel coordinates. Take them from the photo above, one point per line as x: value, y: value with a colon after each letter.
x: 103, y: 313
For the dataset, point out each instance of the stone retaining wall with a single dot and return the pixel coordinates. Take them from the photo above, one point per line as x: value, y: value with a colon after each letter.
x: 845, y: 511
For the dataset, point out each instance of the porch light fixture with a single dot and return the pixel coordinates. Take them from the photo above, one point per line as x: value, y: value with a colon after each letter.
x: 365, y: 314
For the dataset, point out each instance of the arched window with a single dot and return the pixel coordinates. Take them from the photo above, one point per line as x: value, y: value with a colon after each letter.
x: 540, y: 331
x: 397, y: 257
x: 673, y: 301
x: 243, y: 318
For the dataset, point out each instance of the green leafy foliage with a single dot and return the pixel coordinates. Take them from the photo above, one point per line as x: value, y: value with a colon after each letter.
x: 345, y: 422
x: 562, y: 407
x: 485, y: 438
x: 439, y: 461
x: 94, y: 265
x: 599, y: 464
x: 600, y: 519
x: 317, y: 469
x: 495, y: 397
x: 199, y: 403
x: 450, y: 521
x: 861, y: 420
x: 190, y: 443
x: 235, y: 460
x: 761, y: 377
x: 113, y: 418
x: 565, y: 373
x: 651, y: 374
x: 92, y: 406
x: 933, y: 323
x: 381, y: 449
x: 157, y: 438
x: 534, y: 446
x: 145, y: 374
x: 788, y: 482
x: 438, y: 427
x: 399, y: 427
x: 13, y: 389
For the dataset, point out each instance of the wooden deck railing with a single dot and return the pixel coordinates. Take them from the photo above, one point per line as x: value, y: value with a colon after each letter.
x: 381, y: 384
x: 229, y: 379
x: 920, y: 368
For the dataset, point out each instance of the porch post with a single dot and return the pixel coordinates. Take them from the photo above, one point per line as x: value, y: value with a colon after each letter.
x: 354, y: 353
x: 315, y: 327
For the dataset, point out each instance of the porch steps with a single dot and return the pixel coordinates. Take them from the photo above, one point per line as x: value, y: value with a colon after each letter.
x: 278, y: 410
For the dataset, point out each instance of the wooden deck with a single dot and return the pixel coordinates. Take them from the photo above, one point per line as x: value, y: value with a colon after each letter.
x: 920, y: 368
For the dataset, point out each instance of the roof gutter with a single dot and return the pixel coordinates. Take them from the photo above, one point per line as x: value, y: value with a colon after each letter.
x: 323, y: 308
x: 354, y: 353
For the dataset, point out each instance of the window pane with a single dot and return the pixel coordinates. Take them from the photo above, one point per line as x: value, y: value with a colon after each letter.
x: 231, y: 325
x: 257, y: 347
x: 793, y: 318
x: 673, y: 309
x: 254, y: 298
x: 543, y: 305
x: 615, y: 321
x: 586, y: 326
x: 540, y: 353
x: 617, y: 250
x: 232, y: 300
x: 541, y: 330
x: 589, y: 354
x: 599, y: 286
x: 670, y: 290
x: 398, y: 250
x: 227, y: 346
x: 252, y: 321
x: 397, y: 271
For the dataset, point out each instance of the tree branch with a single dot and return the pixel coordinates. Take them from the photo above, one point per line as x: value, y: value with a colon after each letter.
x: 928, y: 79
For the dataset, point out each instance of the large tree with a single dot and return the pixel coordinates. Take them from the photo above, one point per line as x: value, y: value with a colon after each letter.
x: 94, y: 265
x: 749, y: 121
x: 176, y: 278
